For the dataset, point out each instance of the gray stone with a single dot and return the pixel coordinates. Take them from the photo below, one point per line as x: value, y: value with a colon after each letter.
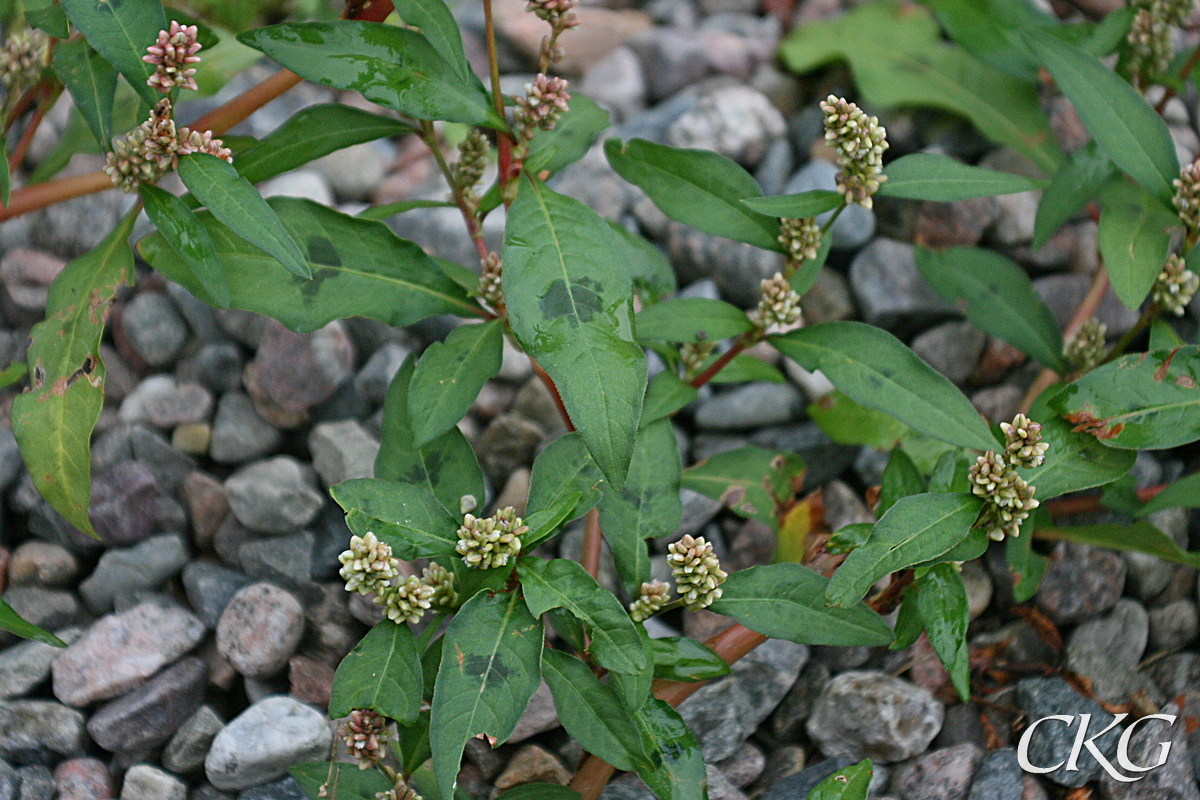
x: 154, y: 328
x: 777, y: 164
x: 121, y: 650
x: 999, y: 777
x: 42, y: 563
x: 39, y: 731
x: 150, y: 449
x: 1080, y: 582
x: 286, y: 560
x: 940, y: 775
x: 37, y: 783
x: 736, y: 121
x: 617, y: 82
x: 10, y: 458
x: 720, y: 787
x: 508, y: 442
x: 148, y: 716
x: 342, y: 450
x: 134, y: 569
x: 1107, y: 650
x: 798, y: 703
x: 1173, y: 779
x: 1063, y: 293
x: 874, y: 715
x: 1176, y: 674
x: 23, y: 666
x: 717, y: 714
x: 798, y: 785
x: 373, y: 380
x: 264, y: 740
x: 124, y: 503
x: 305, y: 183
x: 283, y: 789
x: 671, y: 59
x: 46, y: 608
x: 144, y: 782
x: 10, y: 785
x: 273, y: 496
x: 854, y: 226
x: 299, y: 370
x: 751, y: 406
x: 1051, y: 743
x: 1174, y: 626
x: 766, y: 674
x: 189, y: 746
x: 239, y: 434
x: 744, y: 766
x: 953, y: 349
x: 1146, y: 576
x: 209, y: 589
x: 353, y: 172
x: 738, y: 268
x: 539, y: 716
x: 828, y: 300
x: 183, y: 403
x: 218, y: 366
x: 889, y: 290
x: 439, y: 231
x: 260, y: 629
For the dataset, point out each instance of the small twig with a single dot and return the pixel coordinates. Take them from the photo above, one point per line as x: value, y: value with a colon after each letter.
x: 743, y: 341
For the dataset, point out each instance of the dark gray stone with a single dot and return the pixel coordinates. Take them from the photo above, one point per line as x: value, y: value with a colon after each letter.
x: 1107, y: 650
x: 210, y: 588
x: 154, y: 328
x: 940, y: 775
x: 148, y: 716
x: 37, y: 783
x: 874, y: 715
x: 27, y: 664
x: 1051, y: 743
x: 1173, y: 780
x: 124, y: 504
x: 373, y: 380
x: 239, y: 434
x: 890, y: 291
x: 286, y: 560
x: 39, y: 732
x: 149, y: 448
x: 953, y: 349
x: 999, y: 777
x: 751, y: 406
x: 134, y: 569
x: 189, y: 746
x: 274, y: 496
x: 797, y: 787
x: 285, y: 789
x: 47, y: 608
x: 218, y: 365
x: 1080, y: 582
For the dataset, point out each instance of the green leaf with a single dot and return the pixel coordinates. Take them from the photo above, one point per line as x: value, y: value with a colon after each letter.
x: 997, y: 296
x: 647, y: 507
x: 901, y: 478
x: 121, y: 32
x: 237, y: 204
x: 875, y: 369
x: 564, y: 473
x: 796, y: 206
x: 926, y: 176
x: 1139, y: 537
x: 803, y: 278
x: 406, y: 516
x: 346, y: 781
x: 1163, y: 336
x: 12, y: 622
x: 359, y: 268
x: 678, y: 658
x: 696, y: 187
x: 490, y: 668
x: 1142, y: 401
x: 13, y: 373
x: 314, y: 132
x: 676, y: 768
x: 539, y: 791
x: 380, y: 213
x: 943, y: 606
x: 990, y: 31
x: 187, y: 237
x: 382, y: 673
x: 440, y: 29
x: 745, y: 368
x: 1183, y: 493
x: 449, y: 376
x: 53, y: 419
x: 899, y: 59
x: 1075, y: 183
x: 570, y: 306
x: 591, y: 712
x: 909, y: 625
x: 564, y: 584
x: 653, y: 275
x: 570, y: 139
x: 1074, y: 461
x: 917, y: 528
x: 1134, y: 237
x: 787, y: 601
x: 395, y: 67
x: 691, y: 319
x: 1026, y: 566
x: 1123, y: 124
x: 666, y: 395
x: 853, y: 536
x: 48, y: 16
x: 850, y: 783
x: 846, y: 422
x: 92, y: 82
x: 744, y: 480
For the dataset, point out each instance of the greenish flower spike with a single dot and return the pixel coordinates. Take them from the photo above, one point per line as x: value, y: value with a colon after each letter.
x: 780, y: 305
x: 1150, y: 45
x: 651, y: 598
x: 697, y: 572
x: 1023, y: 441
x: 406, y: 602
x: 489, y: 542
x: 1008, y: 498
x: 24, y: 55
x: 859, y: 142
x: 441, y: 581
x: 368, y: 566
x: 153, y: 148
x: 1187, y: 196
x: 472, y: 161
x: 693, y: 356
x: 366, y: 735
x: 800, y: 238
x: 1174, y: 286
x: 1085, y: 349
x: 491, y: 283
x: 400, y: 791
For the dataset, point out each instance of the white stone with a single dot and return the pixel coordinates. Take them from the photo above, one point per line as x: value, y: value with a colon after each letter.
x: 261, y: 743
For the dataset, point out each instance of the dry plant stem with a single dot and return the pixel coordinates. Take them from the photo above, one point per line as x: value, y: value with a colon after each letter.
x: 1186, y: 70
x: 592, y: 536
x: 218, y: 121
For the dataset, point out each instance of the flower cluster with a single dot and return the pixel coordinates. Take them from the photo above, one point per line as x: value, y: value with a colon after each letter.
x: 491, y: 285
x: 472, y: 161
x: 368, y: 567
x: 407, y: 601
x: 172, y: 56
x: 1150, y: 44
x: 1008, y: 498
x: 441, y: 582
x: 1187, y: 196
x: 859, y: 141
x: 801, y: 238
x: 557, y: 12
x: 780, y: 305
x: 1174, y: 286
x: 1085, y: 349
x: 22, y: 59
x: 365, y: 733
x: 651, y: 598
x: 694, y: 355
x: 400, y: 791
x: 544, y: 102
x: 697, y: 572
x: 488, y: 542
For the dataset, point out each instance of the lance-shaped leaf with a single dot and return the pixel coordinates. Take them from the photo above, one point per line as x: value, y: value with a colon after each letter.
x: 360, y: 268
x: 943, y: 605
x: 233, y: 201
x: 1139, y: 537
x: 570, y: 305
x: 1134, y: 237
x: 121, y: 32
x: 1075, y: 183
x: 678, y: 658
x: 996, y: 295
x: 877, y: 370
x: 382, y: 673
x: 563, y: 470
x: 901, y: 478
x: 794, y: 206
x: 1124, y: 125
x: 311, y: 133
x: 440, y: 29
x: 395, y: 67
x: 696, y: 187
x: 851, y: 783
x: 92, y: 82
x: 1140, y: 401
x: 46, y: 15
x: 747, y: 480
x: 570, y: 139
x: 564, y: 584
x: 1074, y: 460
x: 491, y: 666
x: 1027, y: 567
x: 347, y: 783
x: 187, y: 237
x: 787, y: 601
x: 406, y: 516
x: 54, y: 418
x: 447, y: 466
x: 676, y: 768
x: 916, y: 529
x: 1183, y: 493
x: 926, y: 176
x: 647, y: 507
x: 653, y: 275
x: 13, y: 622
x: 449, y: 376
x: 591, y: 712
x: 691, y: 319
x: 666, y: 395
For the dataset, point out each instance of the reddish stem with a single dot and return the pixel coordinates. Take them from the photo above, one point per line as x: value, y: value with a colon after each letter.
x: 549, y: 383
x: 720, y: 363
x: 590, y: 558
x: 18, y: 154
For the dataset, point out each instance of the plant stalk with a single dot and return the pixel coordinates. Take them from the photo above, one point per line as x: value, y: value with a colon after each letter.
x: 504, y: 142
